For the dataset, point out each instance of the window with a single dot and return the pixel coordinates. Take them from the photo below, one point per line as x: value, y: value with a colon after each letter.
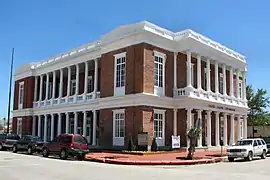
x: 221, y: 83
x: 80, y: 140
x: 241, y: 129
x: 205, y: 78
x: 158, y: 71
x: 120, y: 71
x: 19, y: 126
x: 240, y: 88
x: 158, y: 125
x: 259, y: 142
x: 73, y: 87
x: 221, y: 131
x: 90, y: 84
x: 21, y: 94
x: 119, y: 124
x: 192, y: 75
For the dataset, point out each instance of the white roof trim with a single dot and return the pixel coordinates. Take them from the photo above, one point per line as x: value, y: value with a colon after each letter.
x: 127, y: 30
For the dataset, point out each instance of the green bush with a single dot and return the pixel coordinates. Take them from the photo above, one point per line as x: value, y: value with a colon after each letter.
x: 154, y: 145
x: 131, y: 145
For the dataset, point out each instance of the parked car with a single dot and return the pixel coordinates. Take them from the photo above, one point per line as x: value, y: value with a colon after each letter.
x: 8, y: 140
x: 28, y: 143
x: 67, y: 145
x: 247, y: 149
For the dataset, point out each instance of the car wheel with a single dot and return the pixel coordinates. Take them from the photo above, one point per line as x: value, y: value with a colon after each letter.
x: 81, y: 157
x: 263, y: 156
x: 231, y: 159
x: 29, y: 150
x: 1, y: 147
x: 45, y: 152
x: 250, y: 156
x: 63, y: 154
x: 14, y: 149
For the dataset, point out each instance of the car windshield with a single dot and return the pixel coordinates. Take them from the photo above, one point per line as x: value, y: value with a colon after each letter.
x: 244, y: 143
x: 80, y: 140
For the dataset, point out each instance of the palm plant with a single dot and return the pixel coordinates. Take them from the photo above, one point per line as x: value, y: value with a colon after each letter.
x: 193, y: 134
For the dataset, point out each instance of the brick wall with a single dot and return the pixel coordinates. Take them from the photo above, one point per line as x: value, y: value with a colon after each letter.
x: 26, y: 124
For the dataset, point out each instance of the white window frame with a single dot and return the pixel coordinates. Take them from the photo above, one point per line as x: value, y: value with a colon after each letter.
x: 21, y: 95
x: 205, y: 78
x: 72, y: 87
x: 192, y: 74
x: 241, y: 128
x: 160, y: 140
x: 240, y: 88
x: 118, y: 140
x: 221, y: 83
x: 89, y: 83
x: 19, y: 126
x: 119, y: 91
x: 160, y: 89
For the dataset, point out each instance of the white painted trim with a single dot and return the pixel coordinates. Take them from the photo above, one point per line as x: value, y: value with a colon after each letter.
x: 120, y: 55
x: 19, y: 119
x: 118, y: 111
x: 160, y: 111
x: 160, y: 54
x: 160, y: 141
x: 118, y: 141
x: 20, y: 105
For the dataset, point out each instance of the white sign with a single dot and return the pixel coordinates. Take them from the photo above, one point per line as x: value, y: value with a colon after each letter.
x: 142, y: 139
x: 175, y: 142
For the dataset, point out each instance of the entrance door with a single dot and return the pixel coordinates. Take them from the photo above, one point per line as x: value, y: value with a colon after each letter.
x: 89, y: 130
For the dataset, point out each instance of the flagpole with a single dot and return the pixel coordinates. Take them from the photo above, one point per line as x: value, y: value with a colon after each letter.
x: 10, y: 84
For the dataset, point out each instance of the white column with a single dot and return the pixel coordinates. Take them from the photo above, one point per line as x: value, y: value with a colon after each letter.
x: 224, y: 79
x: 59, y: 125
x: 47, y: 86
x: 68, y: 82
x: 84, y: 123
x: 200, y: 118
x: 67, y: 122
x: 34, y: 126
x: 216, y: 77
x: 239, y: 127
x: 189, y: 123
x: 244, y: 86
x: 52, y: 126
x: 75, y: 122
x: 96, y: 78
x: 61, y: 83
x: 225, y: 138
x: 54, y: 84
x: 36, y: 84
x: 85, y: 78
x: 94, y: 127
x: 209, y: 144
x: 208, y: 77
x: 175, y: 71
x: 77, y: 79
x: 237, y: 84
x: 231, y: 82
x: 217, y: 129
x: 245, y: 126
x: 188, y: 65
x: 41, y: 87
x: 232, y: 130
x: 39, y: 125
x: 175, y: 122
x: 45, y: 127
x: 199, y: 78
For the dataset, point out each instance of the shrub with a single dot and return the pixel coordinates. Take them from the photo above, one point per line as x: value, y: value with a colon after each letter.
x: 154, y: 145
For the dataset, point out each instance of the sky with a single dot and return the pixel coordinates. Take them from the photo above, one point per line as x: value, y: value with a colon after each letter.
x: 41, y: 29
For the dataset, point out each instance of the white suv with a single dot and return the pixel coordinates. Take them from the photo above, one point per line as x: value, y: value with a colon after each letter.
x: 247, y: 148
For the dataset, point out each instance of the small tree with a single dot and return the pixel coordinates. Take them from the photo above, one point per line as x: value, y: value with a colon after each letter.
x: 193, y: 134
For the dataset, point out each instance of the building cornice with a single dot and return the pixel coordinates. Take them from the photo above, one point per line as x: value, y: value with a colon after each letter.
x: 136, y: 33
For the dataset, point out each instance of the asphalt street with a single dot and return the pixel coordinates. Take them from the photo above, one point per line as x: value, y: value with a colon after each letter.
x: 25, y: 167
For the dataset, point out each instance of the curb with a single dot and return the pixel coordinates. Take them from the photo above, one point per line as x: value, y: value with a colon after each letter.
x: 174, y: 162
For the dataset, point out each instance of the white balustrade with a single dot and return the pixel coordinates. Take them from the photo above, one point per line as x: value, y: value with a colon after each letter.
x: 70, y: 100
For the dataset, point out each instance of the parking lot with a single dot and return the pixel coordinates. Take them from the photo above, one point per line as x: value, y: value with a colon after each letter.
x: 25, y: 167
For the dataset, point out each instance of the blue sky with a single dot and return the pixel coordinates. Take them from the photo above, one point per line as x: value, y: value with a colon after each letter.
x: 40, y: 29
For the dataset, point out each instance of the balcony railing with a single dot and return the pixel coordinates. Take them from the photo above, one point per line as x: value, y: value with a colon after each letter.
x: 209, y: 96
x: 67, y: 100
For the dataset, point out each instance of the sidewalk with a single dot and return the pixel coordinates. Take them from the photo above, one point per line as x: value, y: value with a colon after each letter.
x: 166, y: 158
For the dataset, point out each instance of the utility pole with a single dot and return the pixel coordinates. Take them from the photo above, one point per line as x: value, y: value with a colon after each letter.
x: 10, y: 84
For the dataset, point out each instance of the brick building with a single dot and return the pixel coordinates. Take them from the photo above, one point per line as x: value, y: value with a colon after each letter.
x: 138, y: 77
